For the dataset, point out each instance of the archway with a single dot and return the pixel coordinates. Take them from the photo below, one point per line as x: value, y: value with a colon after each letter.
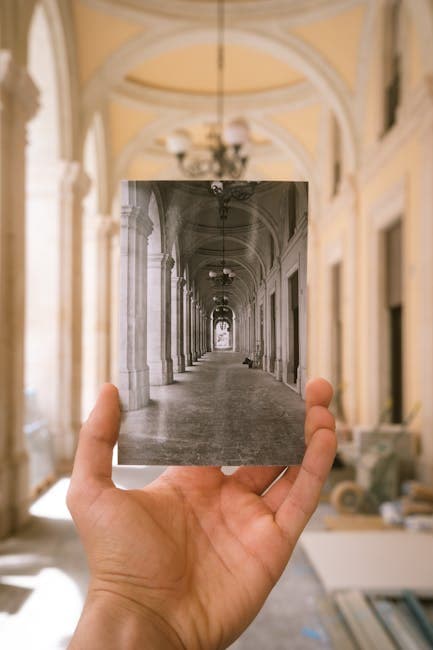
x: 42, y: 325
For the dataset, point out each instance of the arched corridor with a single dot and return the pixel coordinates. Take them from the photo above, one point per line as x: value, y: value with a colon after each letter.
x: 239, y: 275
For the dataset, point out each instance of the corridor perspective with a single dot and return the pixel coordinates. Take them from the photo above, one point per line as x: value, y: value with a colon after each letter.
x: 212, y: 266
x: 219, y: 408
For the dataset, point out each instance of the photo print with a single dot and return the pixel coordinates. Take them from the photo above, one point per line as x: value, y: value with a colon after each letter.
x: 213, y: 307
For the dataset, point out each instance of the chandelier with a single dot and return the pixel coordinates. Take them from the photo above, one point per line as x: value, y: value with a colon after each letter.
x: 224, y: 192
x: 226, y: 151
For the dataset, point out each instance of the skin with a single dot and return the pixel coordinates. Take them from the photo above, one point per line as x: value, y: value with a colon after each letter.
x: 187, y: 561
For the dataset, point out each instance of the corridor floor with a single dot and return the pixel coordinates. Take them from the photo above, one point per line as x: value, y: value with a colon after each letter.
x: 219, y: 412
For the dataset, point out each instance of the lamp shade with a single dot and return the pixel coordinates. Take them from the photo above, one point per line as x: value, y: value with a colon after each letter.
x: 226, y: 270
x: 236, y: 132
x: 232, y: 274
x: 212, y: 274
x: 178, y: 142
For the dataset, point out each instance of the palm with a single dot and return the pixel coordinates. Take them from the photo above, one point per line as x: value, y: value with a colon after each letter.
x: 207, y: 547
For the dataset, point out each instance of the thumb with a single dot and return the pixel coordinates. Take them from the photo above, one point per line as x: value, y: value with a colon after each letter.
x: 98, y: 435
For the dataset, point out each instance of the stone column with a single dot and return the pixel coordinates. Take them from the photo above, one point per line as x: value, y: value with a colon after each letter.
x: 74, y: 186
x: 106, y: 229
x: 135, y: 228
x: 203, y: 332
x: 193, y: 329
x: 18, y: 103
x: 187, y: 332
x: 177, y: 323
x: 159, y: 319
x: 235, y: 335
x: 197, y: 330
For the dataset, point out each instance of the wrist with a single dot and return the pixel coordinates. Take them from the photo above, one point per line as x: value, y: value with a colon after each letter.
x: 110, y: 621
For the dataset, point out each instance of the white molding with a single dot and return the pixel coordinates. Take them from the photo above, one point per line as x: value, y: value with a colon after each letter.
x: 386, y: 210
x: 293, y: 12
x: 140, y: 96
x: 416, y: 115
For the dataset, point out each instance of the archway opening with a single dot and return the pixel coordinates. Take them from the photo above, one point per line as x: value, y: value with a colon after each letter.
x: 42, y: 262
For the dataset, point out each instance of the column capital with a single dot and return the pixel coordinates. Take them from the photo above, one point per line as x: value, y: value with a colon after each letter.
x: 74, y: 179
x: 135, y: 217
x: 15, y: 80
x: 106, y: 225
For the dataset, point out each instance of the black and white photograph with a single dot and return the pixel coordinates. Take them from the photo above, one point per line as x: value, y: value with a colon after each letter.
x: 213, y: 322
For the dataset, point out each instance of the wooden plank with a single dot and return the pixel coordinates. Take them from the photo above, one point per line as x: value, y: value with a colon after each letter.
x: 370, y: 631
x: 375, y: 562
x: 334, y: 625
x: 405, y: 635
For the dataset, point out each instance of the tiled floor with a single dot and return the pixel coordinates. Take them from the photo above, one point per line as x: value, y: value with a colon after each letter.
x: 219, y: 412
x: 43, y: 579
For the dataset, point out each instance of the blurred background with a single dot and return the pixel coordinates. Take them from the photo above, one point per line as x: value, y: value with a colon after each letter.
x: 338, y: 93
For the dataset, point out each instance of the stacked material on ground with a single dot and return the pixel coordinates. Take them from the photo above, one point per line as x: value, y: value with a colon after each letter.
x: 354, y: 620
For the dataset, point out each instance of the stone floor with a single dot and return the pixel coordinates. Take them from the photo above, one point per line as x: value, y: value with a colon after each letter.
x: 43, y: 578
x: 219, y: 412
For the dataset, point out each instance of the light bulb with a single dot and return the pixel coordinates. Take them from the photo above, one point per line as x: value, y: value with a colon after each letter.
x: 212, y: 274
x: 236, y: 133
x: 226, y: 270
x: 178, y: 142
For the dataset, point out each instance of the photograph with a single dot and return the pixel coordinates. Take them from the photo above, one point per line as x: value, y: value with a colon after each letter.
x: 213, y: 322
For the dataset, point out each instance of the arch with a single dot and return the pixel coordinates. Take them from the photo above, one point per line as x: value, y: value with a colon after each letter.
x: 42, y: 229
x: 59, y: 19
x: 286, y: 47
x: 233, y: 238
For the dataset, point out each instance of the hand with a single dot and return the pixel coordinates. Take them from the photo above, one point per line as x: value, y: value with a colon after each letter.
x: 187, y: 561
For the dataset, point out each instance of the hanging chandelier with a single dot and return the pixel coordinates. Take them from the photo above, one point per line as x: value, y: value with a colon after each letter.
x: 224, y: 192
x: 226, y: 155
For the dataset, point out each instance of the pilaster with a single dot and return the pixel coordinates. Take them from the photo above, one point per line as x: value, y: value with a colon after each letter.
x: 18, y: 103
x: 177, y: 324
x: 135, y: 228
x: 187, y: 333
x: 74, y: 185
x: 159, y: 321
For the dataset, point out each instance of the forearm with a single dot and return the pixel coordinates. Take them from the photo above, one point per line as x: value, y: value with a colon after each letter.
x: 113, y: 622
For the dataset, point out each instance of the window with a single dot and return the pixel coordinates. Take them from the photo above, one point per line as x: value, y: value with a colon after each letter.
x: 337, y: 337
x: 394, y: 308
x: 292, y: 210
x: 336, y: 156
x: 393, y: 59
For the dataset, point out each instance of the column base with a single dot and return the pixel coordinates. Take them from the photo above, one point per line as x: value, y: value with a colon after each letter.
x: 134, y: 389
x: 188, y: 359
x: 160, y: 373
x: 180, y: 363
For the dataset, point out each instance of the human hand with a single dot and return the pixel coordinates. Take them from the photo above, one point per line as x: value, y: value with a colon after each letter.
x: 187, y: 561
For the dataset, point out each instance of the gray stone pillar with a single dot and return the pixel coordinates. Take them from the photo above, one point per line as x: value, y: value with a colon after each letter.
x: 187, y: 332
x: 18, y: 103
x: 193, y: 329
x: 177, y: 323
x: 135, y: 229
x: 159, y: 319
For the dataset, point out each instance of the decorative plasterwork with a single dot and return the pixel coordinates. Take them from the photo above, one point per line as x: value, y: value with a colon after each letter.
x: 144, y: 97
x: 284, y: 46
x: 291, y: 11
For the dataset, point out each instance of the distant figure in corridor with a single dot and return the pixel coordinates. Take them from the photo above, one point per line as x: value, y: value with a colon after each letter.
x: 188, y: 561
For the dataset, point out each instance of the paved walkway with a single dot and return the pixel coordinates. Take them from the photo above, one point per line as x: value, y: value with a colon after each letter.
x: 219, y: 412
